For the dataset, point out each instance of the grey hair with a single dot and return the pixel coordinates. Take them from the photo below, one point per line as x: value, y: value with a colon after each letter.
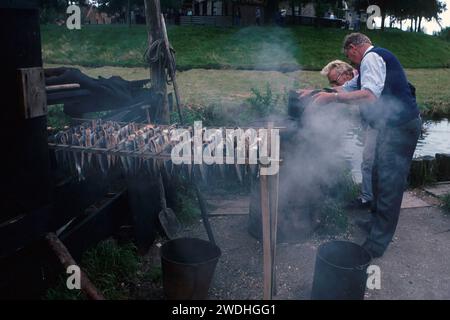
x: 340, y: 66
x: 355, y: 39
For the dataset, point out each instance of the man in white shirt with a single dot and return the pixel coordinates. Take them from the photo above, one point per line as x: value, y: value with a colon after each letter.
x: 388, y: 104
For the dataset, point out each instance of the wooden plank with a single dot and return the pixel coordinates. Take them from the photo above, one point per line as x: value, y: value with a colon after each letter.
x: 273, y: 193
x: 66, y: 260
x: 66, y: 96
x: 66, y: 86
x: 267, y: 252
x: 230, y: 203
x: 33, y: 98
x: 229, y: 212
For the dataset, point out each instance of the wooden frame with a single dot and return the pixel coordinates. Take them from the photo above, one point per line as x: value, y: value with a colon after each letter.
x: 33, y: 96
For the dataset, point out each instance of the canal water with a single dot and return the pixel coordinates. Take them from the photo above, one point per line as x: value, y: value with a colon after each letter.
x: 435, y: 138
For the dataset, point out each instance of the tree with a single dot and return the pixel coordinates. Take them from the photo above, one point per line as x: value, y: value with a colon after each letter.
x: 51, y: 10
x: 171, y: 4
x: 416, y: 11
x: 322, y: 6
x: 299, y: 3
x: 429, y: 9
x: 270, y: 11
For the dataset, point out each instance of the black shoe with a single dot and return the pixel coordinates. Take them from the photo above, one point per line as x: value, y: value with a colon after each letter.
x: 365, y: 225
x: 359, y: 204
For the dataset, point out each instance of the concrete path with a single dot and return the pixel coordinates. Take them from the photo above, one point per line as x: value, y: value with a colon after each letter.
x: 417, y: 263
x: 415, y: 266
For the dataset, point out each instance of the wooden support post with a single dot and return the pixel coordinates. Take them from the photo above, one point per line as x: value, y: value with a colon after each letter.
x: 266, y: 232
x: 273, y: 192
x: 26, y: 185
x: 66, y: 260
x: 171, y: 69
x: 273, y: 202
x: 204, y: 212
x: 269, y: 211
x: 267, y: 251
x: 157, y: 69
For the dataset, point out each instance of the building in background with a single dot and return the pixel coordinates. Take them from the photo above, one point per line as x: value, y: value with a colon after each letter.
x: 221, y: 13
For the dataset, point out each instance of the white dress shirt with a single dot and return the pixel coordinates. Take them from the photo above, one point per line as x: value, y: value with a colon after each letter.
x: 372, y: 73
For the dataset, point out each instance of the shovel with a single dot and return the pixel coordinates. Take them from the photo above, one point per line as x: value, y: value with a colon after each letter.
x: 167, y: 217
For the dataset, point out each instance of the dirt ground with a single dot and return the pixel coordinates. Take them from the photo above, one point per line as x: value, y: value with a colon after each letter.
x: 415, y: 266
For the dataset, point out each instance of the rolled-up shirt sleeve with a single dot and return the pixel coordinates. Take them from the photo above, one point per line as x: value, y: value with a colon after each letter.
x: 351, y: 85
x: 373, y: 73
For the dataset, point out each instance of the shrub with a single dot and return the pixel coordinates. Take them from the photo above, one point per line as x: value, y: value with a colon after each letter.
x: 263, y: 103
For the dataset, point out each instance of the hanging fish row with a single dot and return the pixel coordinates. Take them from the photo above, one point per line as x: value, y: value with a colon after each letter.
x: 133, y: 148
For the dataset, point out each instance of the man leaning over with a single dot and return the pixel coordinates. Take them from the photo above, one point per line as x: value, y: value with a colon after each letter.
x: 388, y: 105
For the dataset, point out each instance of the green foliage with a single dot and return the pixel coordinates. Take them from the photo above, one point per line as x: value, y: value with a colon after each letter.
x: 186, y: 205
x: 52, y: 10
x: 322, y: 6
x: 174, y: 4
x: 117, y: 6
x: 333, y: 218
x: 56, y: 118
x: 263, y: 103
x: 60, y: 292
x: 445, y: 34
x: 346, y: 189
x: 445, y: 199
x: 154, y: 274
x: 111, y: 268
x: 207, y: 114
x: 406, y: 9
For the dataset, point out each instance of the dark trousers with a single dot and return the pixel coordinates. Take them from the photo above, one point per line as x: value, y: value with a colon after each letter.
x: 393, y: 155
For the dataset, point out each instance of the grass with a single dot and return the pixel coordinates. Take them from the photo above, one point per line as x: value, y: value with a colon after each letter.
x: 433, y: 94
x: 446, y: 203
x: 236, y: 48
x: 111, y: 267
x: 227, y: 91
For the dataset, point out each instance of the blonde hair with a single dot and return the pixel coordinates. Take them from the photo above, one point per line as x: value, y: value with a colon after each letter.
x: 339, y: 65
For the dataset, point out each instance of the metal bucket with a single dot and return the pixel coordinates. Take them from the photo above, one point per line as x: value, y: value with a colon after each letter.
x: 340, y: 271
x: 188, y: 266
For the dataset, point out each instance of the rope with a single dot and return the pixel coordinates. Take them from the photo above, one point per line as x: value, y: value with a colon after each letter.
x: 156, y: 53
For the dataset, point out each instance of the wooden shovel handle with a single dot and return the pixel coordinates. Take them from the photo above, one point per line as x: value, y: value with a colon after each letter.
x: 162, y: 194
